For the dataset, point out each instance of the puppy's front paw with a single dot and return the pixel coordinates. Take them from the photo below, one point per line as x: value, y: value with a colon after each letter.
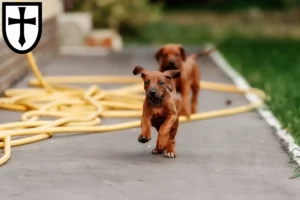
x: 170, y: 154
x: 143, y: 139
x: 194, y: 110
x: 157, y: 151
x: 185, y: 112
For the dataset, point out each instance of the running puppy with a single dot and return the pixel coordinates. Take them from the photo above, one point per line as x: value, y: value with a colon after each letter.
x: 172, y: 56
x: 160, y: 109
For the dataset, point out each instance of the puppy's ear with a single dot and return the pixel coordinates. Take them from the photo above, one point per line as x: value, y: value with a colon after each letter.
x: 170, y: 86
x: 140, y: 70
x: 182, y: 52
x: 158, y: 54
x: 169, y: 74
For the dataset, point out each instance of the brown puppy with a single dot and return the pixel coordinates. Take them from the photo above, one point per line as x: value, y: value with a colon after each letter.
x: 172, y: 56
x: 160, y: 109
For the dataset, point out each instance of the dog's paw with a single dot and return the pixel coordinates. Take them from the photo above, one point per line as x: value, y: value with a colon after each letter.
x: 185, y: 112
x: 194, y: 111
x: 157, y: 151
x: 170, y: 155
x: 143, y: 139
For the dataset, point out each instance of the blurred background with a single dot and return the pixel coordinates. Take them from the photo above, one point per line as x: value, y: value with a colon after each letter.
x: 192, y: 21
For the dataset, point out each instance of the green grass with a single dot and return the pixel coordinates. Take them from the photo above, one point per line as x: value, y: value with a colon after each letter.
x: 272, y: 65
x: 163, y: 32
x: 229, y: 6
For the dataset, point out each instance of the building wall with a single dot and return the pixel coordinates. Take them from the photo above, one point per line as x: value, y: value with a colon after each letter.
x: 14, y: 66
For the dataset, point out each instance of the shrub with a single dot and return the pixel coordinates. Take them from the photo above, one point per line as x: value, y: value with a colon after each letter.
x: 291, y: 3
x: 121, y: 15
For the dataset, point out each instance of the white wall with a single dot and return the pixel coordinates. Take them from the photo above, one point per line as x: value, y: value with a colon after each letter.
x: 50, y: 9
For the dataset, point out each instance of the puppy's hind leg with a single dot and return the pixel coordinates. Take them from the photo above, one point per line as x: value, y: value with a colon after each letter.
x: 164, y: 133
x: 170, y: 151
x: 195, y: 89
x: 185, y: 108
x: 194, y: 100
x: 156, y: 150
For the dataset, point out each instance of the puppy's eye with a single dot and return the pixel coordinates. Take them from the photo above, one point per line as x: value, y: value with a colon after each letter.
x: 161, y: 82
x: 165, y: 55
x: 176, y: 54
x: 146, y: 82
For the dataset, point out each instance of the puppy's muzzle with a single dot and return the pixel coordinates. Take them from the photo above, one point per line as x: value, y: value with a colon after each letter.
x: 152, y: 92
x: 170, y: 66
x: 172, y: 63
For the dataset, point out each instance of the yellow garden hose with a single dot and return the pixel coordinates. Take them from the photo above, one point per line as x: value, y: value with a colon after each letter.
x: 37, y: 73
x: 79, y: 110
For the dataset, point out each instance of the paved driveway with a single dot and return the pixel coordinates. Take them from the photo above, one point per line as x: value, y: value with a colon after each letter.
x: 235, y: 157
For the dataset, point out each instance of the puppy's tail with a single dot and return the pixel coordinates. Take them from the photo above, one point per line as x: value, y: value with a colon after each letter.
x: 204, y: 53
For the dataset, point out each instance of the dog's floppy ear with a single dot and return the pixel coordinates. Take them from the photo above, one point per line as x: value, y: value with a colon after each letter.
x: 140, y: 70
x: 169, y: 74
x: 158, y: 54
x: 182, y: 52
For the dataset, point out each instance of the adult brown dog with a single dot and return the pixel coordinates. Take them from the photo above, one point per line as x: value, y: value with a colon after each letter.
x: 160, y: 109
x: 171, y: 57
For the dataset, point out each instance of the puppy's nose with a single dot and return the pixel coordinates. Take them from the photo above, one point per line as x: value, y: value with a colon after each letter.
x: 172, y: 63
x: 152, y: 92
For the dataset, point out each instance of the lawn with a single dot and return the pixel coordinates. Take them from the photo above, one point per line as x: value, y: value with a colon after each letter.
x: 232, y: 5
x: 272, y: 65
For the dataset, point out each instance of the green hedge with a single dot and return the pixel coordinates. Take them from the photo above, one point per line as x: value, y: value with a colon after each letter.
x: 232, y: 5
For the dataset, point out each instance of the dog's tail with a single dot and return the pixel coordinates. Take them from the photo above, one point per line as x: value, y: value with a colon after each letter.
x: 204, y: 53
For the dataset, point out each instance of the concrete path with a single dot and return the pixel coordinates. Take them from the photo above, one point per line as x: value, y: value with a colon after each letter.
x: 235, y: 157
